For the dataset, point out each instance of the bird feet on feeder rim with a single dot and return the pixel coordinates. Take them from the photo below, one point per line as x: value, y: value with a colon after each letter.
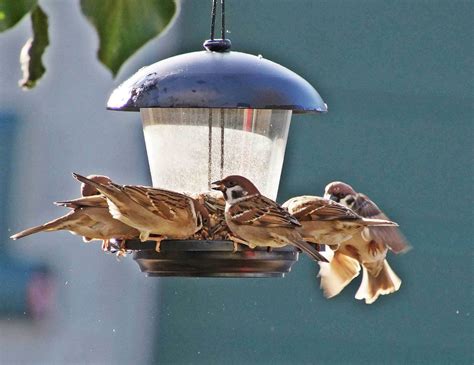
x: 269, y: 248
x: 121, y: 249
x: 105, y: 245
x: 158, y: 240
x: 236, y: 241
x: 117, y: 247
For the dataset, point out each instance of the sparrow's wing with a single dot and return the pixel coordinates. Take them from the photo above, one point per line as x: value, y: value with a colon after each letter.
x: 317, y: 208
x: 367, y: 208
x: 261, y: 211
x: 87, y: 201
x: 163, y: 203
x: 106, y: 224
x: 391, y: 236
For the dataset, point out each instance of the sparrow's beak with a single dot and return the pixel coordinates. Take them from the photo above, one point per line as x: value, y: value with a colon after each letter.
x: 217, y: 185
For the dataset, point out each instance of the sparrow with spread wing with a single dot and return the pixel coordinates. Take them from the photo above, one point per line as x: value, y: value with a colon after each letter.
x: 367, y: 248
x: 89, y: 218
x: 328, y: 222
x: 256, y: 220
x: 164, y: 213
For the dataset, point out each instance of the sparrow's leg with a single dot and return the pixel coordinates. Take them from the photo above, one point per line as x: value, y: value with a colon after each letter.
x: 269, y: 248
x: 158, y: 240
x: 105, y: 245
x: 236, y: 242
x: 122, y: 251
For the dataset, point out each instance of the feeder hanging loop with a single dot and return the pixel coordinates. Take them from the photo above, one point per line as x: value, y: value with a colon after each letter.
x: 217, y: 45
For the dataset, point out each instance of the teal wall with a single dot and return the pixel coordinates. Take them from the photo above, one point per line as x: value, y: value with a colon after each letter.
x: 397, y: 76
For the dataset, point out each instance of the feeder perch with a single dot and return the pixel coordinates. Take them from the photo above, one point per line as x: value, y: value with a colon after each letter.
x: 207, y: 115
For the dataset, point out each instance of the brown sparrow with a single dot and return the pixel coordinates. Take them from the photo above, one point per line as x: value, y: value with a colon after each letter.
x: 256, y: 220
x: 164, y: 213
x: 327, y: 222
x: 214, y: 202
x: 368, y: 248
x: 89, y: 218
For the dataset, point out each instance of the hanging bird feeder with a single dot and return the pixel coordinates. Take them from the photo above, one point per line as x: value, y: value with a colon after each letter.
x: 221, y: 113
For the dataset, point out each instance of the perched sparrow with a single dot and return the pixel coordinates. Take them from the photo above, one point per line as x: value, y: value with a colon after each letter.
x: 362, y: 205
x: 167, y: 214
x: 257, y: 220
x: 368, y: 248
x: 89, y: 218
x: 214, y: 202
x: 327, y: 222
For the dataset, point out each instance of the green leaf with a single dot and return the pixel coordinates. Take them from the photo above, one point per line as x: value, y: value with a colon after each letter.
x: 11, y: 12
x: 126, y: 25
x: 32, y: 51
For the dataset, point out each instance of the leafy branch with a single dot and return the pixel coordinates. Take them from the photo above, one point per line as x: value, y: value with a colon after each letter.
x: 123, y: 26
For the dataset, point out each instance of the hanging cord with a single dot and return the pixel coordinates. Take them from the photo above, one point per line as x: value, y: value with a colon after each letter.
x: 209, y: 147
x: 213, y: 18
x: 222, y: 142
x: 217, y: 45
x: 222, y: 19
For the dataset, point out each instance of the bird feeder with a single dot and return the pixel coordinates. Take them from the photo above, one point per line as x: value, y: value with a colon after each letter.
x: 207, y: 115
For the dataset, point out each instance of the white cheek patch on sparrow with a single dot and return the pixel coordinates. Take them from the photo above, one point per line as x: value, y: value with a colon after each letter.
x: 234, y: 194
x: 348, y: 201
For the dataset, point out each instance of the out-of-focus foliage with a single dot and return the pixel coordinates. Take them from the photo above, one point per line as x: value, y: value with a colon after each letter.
x: 32, y: 52
x: 123, y: 26
x: 11, y: 12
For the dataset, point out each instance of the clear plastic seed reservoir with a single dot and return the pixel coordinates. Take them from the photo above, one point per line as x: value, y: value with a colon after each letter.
x: 190, y: 147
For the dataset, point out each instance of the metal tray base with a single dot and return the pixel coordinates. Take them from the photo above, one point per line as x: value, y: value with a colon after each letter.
x: 196, y: 258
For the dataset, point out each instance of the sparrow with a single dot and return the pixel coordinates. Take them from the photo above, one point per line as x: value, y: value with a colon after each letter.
x: 214, y: 203
x: 327, y: 222
x: 164, y: 213
x: 256, y: 220
x: 367, y: 248
x: 89, y: 218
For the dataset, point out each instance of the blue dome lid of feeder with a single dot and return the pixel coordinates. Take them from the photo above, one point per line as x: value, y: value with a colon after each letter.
x: 216, y: 80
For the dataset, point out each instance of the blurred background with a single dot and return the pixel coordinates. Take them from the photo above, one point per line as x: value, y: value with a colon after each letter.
x: 397, y: 76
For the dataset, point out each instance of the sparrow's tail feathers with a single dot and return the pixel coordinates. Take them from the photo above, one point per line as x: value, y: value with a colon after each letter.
x: 337, y: 274
x: 54, y: 225
x: 371, y: 287
x: 378, y: 222
x: 309, y: 250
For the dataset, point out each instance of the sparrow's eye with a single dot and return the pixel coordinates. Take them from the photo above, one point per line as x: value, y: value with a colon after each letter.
x: 231, y: 184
